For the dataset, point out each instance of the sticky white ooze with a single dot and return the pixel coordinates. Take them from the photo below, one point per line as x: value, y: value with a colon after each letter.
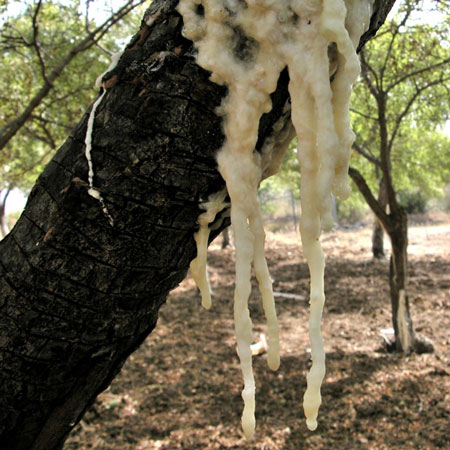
x: 246, y: 45
x: 93, y: 191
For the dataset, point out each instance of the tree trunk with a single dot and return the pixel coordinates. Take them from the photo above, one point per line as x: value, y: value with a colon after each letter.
x: 226, y: 238
x: 396, y: 225
x: 398, y: 272
x: 78, y: 293
x: 406, y: 340
x: 378, y: 230
x: 378, y: 239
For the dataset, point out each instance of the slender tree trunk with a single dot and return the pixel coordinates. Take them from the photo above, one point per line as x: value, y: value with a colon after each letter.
x: 398, y: 272
x: 79, y: 292
x: 378, y: 239
x: 396, y: 225
x: 378, y: 230
x: 406, y: 340
x: 226, y: 238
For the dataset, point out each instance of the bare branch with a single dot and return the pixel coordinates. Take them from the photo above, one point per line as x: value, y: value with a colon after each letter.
x: 86, y: 17
x: 13, y: 126
x: 408, y: 106
x: 417, y: 72
x: 35, y: 42
x: 88, y: 29
x: 51, y: 122
x: 394, y: 37
x: 365, y: 67
x: 366, y: 155
x: 366, y: 116
x: 102, y: 29
x: 369, y: 197
x: 47, y: 139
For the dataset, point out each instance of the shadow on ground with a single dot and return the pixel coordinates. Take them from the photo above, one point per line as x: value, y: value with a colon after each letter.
x: 181, y: 389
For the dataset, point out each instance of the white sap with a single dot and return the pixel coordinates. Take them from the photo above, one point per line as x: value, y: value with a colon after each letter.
x: 215, y: 204
x: 245, y: 46
x: 92, y: 191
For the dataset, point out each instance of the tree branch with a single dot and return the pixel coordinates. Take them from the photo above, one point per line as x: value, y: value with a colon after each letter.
x: 394, y: 36
x: 88, y: 29
x: 364, y: 188
x: 408, y: 106
x: 366, y: 116
x: 366, y: 155
x: 364, y: 68
x: 14, y: 125
x: 417, y: 72
x: 35, y: 42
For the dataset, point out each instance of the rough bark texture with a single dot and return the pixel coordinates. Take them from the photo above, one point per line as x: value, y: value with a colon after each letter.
x: 226, y: 238
x: 378, y: 231
x: 378, y: 239
x: 78, y: 294
x: 401, y: 317
x: 406, y: 340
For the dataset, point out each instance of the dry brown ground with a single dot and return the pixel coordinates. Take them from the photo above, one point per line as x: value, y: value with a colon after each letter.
x: 181, y: 389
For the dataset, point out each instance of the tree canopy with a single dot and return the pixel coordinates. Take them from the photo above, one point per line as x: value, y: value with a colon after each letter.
x: 50, y: 55
x: 406, y: 70
x: 407, y: 64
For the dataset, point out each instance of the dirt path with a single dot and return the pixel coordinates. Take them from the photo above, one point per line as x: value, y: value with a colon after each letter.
x: 181, y: 389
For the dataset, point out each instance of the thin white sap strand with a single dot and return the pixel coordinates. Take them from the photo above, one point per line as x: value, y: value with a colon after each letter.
x: 92, y: 191
x: 88, y: 142
x: 242, y: 171
x: 334, y: 27
x: 215, y: 204
x: 310, y: 226
x: 114, y: 61
x: 296, y: 33
x: 249, y: 242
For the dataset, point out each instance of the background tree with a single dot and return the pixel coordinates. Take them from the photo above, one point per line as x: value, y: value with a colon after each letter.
x: 50, y: 56
x: 398, y: 109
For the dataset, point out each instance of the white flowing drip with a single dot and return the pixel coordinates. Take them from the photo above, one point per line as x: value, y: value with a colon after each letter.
x: 215, y: 204
x: 245, y: 46
x: 92, y: 191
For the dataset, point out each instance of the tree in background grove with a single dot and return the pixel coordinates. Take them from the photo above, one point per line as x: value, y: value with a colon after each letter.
x: 398, y: 111
x: 401, y: 155
x: 50, y: 55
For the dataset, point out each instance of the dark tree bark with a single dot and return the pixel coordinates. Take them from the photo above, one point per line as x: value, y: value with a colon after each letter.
x: 396, y: 226
x: 79, y: 294
x: 401, y: 317
x: 378, y: 239
x: 226, y: 238
x: 378, y: 231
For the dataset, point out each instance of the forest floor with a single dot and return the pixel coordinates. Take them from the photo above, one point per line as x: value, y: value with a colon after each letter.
x: 181, y: 389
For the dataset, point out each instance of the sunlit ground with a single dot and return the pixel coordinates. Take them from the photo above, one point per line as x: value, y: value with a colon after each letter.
x: 181, y: 389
